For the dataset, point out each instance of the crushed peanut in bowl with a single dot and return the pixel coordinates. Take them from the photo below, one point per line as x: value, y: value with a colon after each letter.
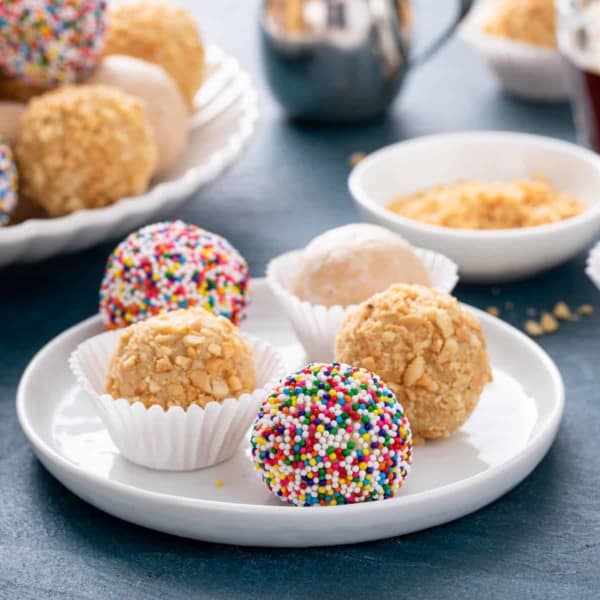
x: 527, y: 21
x: 489, y: 205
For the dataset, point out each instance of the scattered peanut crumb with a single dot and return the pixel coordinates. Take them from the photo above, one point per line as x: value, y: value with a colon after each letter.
x: 586, y: 310
x: 533, y: 328
x: 531, y: 312
x: 493, y: 310
x: 548, y: 323
x: 355, y: 158
x: 219, y: 483
x: 562, y: 311
x: 509, y: 305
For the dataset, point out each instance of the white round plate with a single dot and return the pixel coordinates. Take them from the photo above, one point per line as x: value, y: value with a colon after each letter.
x: 508, y: 434
x: 221, y: 125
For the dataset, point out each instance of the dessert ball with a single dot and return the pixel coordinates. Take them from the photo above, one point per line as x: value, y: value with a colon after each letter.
x: 181, y: 358
x: 332, y: 434
x: 10, y: 113
x: 48, y: 43
x: 171, y: 265
x: 427, y: 348
x: 165, y: 106
x: 84, y: 146
x: 8, y: 183
x: 159, y: 33
x: 348, y: 264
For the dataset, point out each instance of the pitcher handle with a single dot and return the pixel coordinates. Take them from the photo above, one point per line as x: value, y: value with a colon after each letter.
x: 463, y: 8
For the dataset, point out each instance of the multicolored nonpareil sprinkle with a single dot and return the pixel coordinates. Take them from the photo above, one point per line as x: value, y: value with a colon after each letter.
x: 172, y: 265
x: 332, y: 434
x: 48, y: 42
x: 8, y: 183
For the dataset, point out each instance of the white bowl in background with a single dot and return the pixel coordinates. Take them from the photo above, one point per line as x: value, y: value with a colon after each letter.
x: 488, y: 256
x: 527, y: 71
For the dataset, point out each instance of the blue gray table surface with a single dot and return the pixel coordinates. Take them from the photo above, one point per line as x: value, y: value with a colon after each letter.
x: 541, y: 540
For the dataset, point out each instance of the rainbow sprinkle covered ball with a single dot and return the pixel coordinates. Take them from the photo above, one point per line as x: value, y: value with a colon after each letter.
x: 172, y: 265
x: 332, y: 434
x: 8, y: 183
x: 48, y: 42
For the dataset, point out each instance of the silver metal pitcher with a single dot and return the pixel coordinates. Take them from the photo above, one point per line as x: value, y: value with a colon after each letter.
x: 336, y: 61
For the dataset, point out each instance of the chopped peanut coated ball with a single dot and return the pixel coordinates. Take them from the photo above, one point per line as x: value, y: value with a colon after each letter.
x: 162, y: 34
x: 84, y: 146
x: 426, y: 348
x: 181, y: 358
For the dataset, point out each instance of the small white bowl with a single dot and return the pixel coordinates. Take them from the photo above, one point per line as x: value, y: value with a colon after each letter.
x: 525, y: 70
x: 489, y: 256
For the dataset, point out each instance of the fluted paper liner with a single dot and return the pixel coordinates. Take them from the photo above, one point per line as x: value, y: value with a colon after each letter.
x: 593, y: 265
x: 316, y: 326
x: 525, y: 70
x: 175, y: 439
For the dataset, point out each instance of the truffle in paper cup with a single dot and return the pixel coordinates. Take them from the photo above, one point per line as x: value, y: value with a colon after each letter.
x: 525, y: 70
x: 593, y: 265
x: 176, y: 439
x: 316, y: 326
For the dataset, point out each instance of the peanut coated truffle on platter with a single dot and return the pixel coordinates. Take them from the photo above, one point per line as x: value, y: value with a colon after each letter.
x: 8, y: 183
x: 172, y: 265
x: 427, y: 348
x: 84, y: 146
x: 159, y: 33
x: 332, y: 434
x: 47, y: 43
x: 346, y: 265
x: 181, y: 358
x: 166, y: 108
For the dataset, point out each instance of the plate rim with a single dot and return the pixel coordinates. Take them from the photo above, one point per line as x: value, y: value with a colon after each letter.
x: 542, y: 440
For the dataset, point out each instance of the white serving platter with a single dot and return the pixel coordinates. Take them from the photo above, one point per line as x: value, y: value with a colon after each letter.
x: 221, y: 126
x: 506, y: 437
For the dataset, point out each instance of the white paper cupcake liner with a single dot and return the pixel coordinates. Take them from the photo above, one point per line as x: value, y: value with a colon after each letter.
x: 316, y: 326
x: 176, y: 439
x: 593, y: 265
x: 525, y: 70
